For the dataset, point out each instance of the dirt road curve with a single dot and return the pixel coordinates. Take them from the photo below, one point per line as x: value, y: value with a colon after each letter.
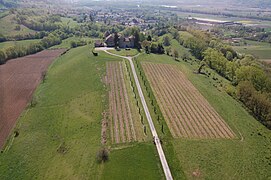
x: 153, y: 130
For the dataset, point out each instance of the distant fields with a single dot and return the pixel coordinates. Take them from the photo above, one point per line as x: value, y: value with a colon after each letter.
x: 260, y: 50
x: 247, y: 157
x: 60, y: 136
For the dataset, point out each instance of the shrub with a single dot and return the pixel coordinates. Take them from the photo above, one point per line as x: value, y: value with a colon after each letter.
x: 102, y: 155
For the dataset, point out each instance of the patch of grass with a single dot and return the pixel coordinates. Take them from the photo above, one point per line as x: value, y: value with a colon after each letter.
x: 69, y: 22
x: 66, y: 43
x: 185, y: 35
x: 245, y: 158
x: 8, y: 27
x: 260, y: 50
x: 124, y: 52
x: 4, y: 45
x: 135, y: 162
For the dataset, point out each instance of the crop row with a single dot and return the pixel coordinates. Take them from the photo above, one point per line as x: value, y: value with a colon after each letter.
x: 186, y: 111
x: 121, y: 122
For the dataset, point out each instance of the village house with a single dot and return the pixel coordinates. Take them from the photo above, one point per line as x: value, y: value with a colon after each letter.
x: 124, y: 42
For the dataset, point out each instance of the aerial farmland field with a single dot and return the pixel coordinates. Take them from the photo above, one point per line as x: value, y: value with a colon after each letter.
x: 123, y: 122
x: 205, y: 157
x: 60, y: 136
x: 19, y: 79
x: 187, y: 113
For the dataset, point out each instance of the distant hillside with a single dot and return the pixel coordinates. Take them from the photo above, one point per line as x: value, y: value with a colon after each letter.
x: 5, y: 4
x: 246, y: 3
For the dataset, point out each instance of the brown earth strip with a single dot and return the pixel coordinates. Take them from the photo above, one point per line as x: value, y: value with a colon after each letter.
x: 18, y: 80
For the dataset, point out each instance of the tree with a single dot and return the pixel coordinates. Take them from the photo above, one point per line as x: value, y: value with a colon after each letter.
x: 3, y: 57
x: 255, y: 75
x: 102, y: 155
x: 17, y: 27
x: 160, y: 49
x: 202, y: 65
x: 175, y: 54
x: 215, y: 60
x: 137, y: 40
x: 166, y: 41
x: 185, y: 56
x: 116, y: 39
x: 197, y: 46
x: 91, y: 18
x: 154, y: 47
x: 168, y: 51
x: 146, y: 45
x: 231, y: 68
x: 257, y: 102
x: 149, y: 38
x: 229, y: 56
x: 73, y: 44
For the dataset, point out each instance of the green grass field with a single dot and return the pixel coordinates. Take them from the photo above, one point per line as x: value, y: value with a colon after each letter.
x: 60, y: 137
x: 69, y: 22
x: 66, y: 43
x: 8, y: 25
x: 4, y: 45
x: 261, y: 50
x: 124, y: 52
x: 248, y: 157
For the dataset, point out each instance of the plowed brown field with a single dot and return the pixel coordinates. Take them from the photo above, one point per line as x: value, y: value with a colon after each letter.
x: 186, y: 111
x: 18, y: 80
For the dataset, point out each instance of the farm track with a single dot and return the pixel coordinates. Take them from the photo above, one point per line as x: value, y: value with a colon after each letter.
x: 18, y: 81
x: 121, y: 121
x: 187, y: 112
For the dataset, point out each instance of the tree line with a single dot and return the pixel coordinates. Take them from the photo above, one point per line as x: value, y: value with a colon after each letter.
x: 20, y: 51
x: 250, y: 77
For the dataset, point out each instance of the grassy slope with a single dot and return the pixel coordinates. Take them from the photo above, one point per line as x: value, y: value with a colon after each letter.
x: 69, y: 22
x: 226, y: 159
x: 7, y: 44
x: 68, y: 114
x: 66, y: 43
x: 134, y: 162
x: 8, y: 24
x: 260, y: 50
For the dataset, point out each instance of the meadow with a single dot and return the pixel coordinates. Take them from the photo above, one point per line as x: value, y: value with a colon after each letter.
x: 8, y: 27
x: 4, y: 45
x: 245, y: 157
x: 260, y: 50
x: 60, y: 136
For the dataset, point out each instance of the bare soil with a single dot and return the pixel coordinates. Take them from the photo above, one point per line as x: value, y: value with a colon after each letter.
x: 18, y: 81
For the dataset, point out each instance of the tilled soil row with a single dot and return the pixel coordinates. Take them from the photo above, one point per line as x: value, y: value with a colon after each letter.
x: 187, y: 112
